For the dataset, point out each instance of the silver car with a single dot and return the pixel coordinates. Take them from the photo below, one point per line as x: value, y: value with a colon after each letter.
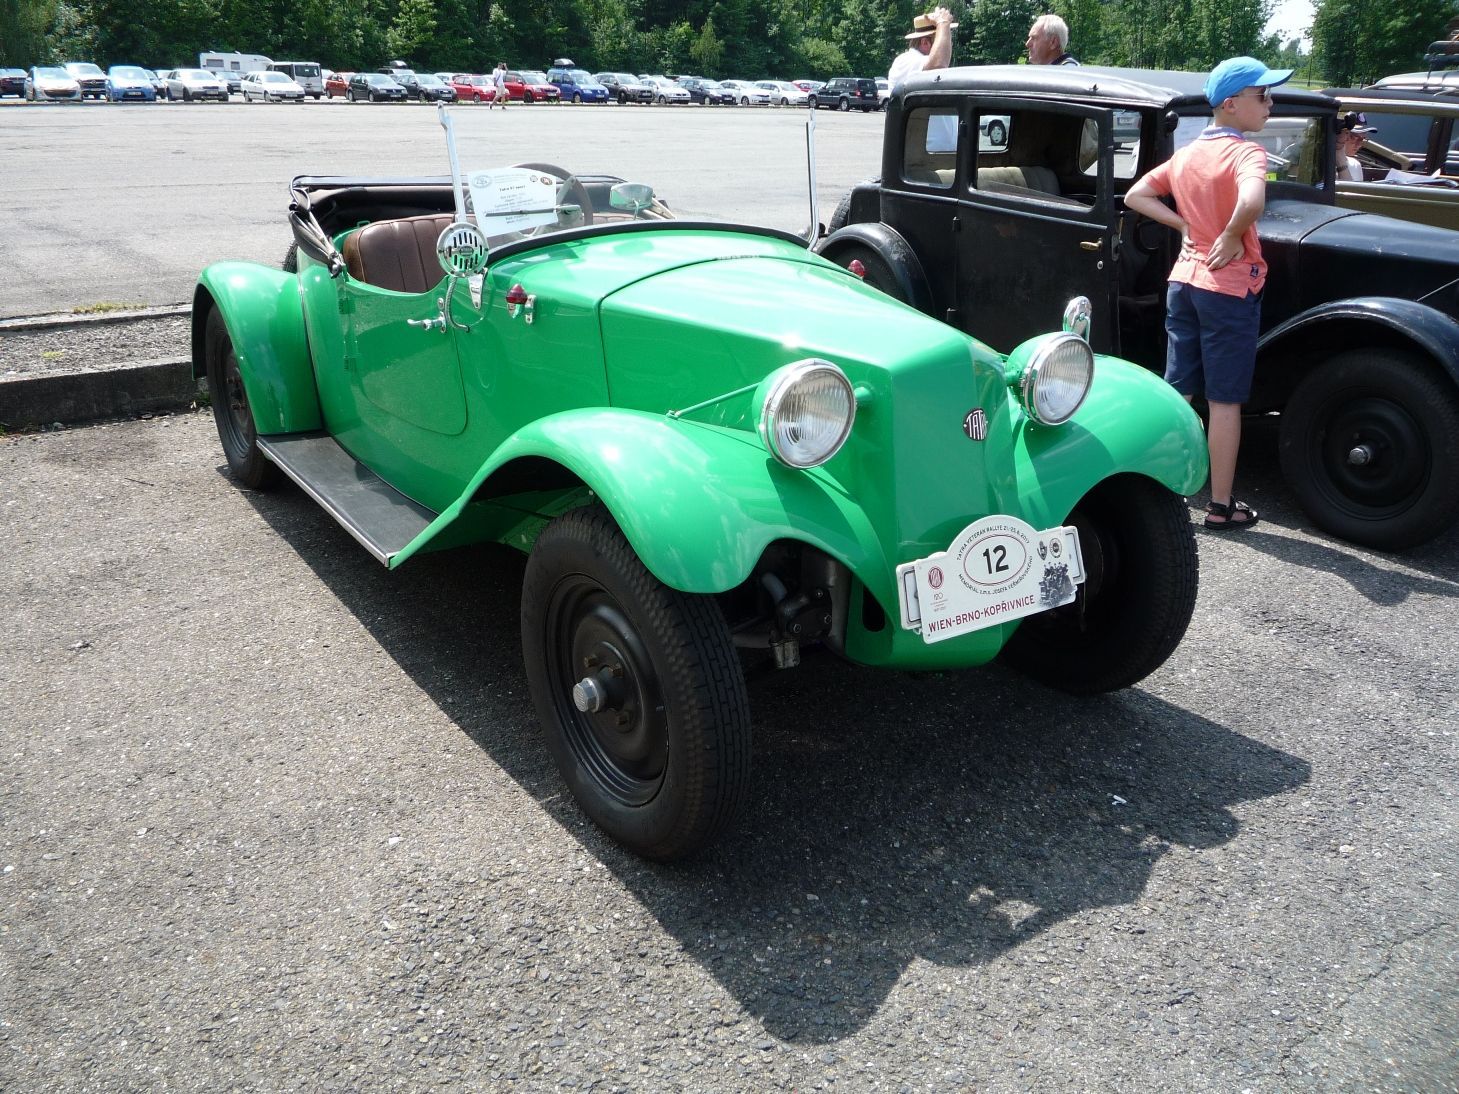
x: 746, y: 93
x: 271, y: 87
x: 783, y: 93
x: 189, y: 84
x: 666, y: 91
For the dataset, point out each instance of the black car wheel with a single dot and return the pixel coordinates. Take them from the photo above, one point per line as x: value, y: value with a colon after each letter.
x: 349, y: 95
x: 187, y: 95
x: 231, y: 412
x: 622, y: 99
x: 844, y: 105
x: 1137, y: 598
x: 1370, y: 447
x: 576, y: 97
x: 997, y: 133
x: 527, y: 97
x: 638, y: 687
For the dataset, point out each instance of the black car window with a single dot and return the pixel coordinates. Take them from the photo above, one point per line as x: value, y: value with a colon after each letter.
x: 929, y: 146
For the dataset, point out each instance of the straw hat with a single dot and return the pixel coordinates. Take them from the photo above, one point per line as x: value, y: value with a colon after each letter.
x: 923, y: 26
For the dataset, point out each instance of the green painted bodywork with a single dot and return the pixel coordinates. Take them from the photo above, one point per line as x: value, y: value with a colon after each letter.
x: 502, y: 426
x: 260, y: 306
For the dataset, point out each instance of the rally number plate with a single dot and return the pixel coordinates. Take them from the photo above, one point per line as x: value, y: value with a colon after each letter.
x: 996, y: 569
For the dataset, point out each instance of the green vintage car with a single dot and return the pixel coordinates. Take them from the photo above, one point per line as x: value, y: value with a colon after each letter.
x: 716, y: 449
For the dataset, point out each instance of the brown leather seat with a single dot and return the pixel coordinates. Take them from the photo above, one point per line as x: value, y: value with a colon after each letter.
x: 397, y: 254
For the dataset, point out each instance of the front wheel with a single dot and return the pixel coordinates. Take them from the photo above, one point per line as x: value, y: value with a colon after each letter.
x: 1370, y: 447
x: 576, y: 97
x: 638, y: 687
x: 231, y: 412
x: 1137, y: 598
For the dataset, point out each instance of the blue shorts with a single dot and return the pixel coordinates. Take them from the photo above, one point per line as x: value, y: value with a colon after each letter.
x: 1211, y: 346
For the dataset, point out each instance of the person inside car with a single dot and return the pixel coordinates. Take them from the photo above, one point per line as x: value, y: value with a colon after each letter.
x: 1352, y: 132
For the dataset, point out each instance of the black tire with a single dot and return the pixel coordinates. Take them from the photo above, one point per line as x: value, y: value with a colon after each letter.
x: 577, y: 97
x: 290, y: 264
x: 187, y: 95
x: 622, y: 99
x: 528, y: 98
x: 662, y: 762
x: 1135, y: 604
x: 349, y: 95
x: 231, y: 412
x: 878, y: 273
x: 843, y: 105
x: 1397, y: 412
x: 997, y: 133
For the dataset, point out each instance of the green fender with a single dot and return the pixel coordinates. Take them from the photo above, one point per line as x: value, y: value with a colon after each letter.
x: 1132, y: 421
x: 698, y: 503
x: 265, y: 319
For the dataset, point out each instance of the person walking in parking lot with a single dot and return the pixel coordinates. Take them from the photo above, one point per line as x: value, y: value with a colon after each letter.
x: 929, y: 47
x: 1213, y: 305
x: 1048, y: 42
x: 499, y: 82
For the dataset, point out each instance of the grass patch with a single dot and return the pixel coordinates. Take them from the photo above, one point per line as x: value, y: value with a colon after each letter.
x: 52, y: 354
x: 104, y: 306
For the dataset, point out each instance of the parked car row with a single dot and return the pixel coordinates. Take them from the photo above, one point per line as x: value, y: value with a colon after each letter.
x: 292, y: 81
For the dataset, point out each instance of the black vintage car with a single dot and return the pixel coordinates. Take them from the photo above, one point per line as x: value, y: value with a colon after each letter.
x: 1360, y: 320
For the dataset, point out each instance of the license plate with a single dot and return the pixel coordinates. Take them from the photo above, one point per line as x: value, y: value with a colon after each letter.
x: 996, y: 569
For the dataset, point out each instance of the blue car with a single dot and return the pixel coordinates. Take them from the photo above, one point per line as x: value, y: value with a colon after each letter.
x: 576, y: 85
x: 129, y: 83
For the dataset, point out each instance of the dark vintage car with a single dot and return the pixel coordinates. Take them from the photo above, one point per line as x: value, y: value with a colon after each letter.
x: 710, y: 443
x: 1360, y: 321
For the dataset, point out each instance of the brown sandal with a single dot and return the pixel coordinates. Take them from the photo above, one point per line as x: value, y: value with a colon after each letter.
x: 1229, y: 514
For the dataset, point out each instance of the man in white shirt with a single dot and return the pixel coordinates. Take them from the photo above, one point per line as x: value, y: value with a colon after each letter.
x: 1352, y: 131
x: 929, y: 47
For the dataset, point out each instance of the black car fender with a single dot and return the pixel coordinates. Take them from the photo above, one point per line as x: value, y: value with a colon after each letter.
x: 1305, y: 340
x: 895, y: 251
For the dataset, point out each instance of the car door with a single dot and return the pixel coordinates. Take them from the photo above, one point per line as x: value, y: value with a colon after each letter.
x: 1035, y: 220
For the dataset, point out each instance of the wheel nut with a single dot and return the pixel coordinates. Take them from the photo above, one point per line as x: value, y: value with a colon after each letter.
x: 588, y: 695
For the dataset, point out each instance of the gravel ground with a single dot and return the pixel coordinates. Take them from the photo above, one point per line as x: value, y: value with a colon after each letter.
x: 93, y: 344
x: 275, y: 818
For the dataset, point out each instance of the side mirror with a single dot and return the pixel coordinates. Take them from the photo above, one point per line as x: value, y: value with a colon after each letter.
x: 633, y: 197
x: 461, y: 249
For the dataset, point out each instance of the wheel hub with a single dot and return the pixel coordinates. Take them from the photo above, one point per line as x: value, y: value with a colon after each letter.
x: 1374, y: 453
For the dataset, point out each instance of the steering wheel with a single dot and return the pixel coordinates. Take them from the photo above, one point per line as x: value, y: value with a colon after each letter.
x: 570, y: 188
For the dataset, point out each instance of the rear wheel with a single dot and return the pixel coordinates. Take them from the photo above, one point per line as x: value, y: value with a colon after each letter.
x: 1137, y: 598
x: 844, y: 105
x: 231, y: 412
x: 1370, y: 447
x: 638, y: 688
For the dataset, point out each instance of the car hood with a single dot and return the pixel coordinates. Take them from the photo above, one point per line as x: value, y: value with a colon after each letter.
x: 1321, y: 253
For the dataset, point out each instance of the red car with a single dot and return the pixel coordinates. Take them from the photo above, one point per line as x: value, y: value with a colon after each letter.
x: 473, y: 89
x: 336, y: 83
x: 528, y: 86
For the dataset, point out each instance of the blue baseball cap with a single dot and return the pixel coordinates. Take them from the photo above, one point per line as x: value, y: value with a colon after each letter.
x: 1235, y: 74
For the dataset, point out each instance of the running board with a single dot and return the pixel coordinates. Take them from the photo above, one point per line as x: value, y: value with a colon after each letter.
x: 381, y: 518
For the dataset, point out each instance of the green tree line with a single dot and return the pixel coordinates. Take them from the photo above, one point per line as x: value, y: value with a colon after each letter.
x: 1353, y: 40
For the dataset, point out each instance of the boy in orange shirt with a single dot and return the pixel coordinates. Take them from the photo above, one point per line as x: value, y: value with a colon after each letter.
x: 1213, y: 305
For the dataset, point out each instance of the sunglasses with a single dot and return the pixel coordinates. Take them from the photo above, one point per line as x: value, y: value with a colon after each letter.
x: 1262, y: 93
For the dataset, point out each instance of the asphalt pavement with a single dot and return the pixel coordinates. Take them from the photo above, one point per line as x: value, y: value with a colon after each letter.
x: 272, y: 817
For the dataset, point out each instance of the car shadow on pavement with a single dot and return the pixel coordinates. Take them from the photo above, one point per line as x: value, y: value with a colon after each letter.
x: 893, y: 817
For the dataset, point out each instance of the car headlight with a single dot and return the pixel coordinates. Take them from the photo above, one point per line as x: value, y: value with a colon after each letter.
x: 1051, y: 375
x: 804, y: 412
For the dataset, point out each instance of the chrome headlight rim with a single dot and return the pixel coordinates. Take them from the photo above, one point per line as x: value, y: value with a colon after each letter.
x: 770, y: 402
x: 1033, y: 372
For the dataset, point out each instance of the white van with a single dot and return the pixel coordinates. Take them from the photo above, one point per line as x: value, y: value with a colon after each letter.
x: 231, y: 66
x: 304, y: 73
